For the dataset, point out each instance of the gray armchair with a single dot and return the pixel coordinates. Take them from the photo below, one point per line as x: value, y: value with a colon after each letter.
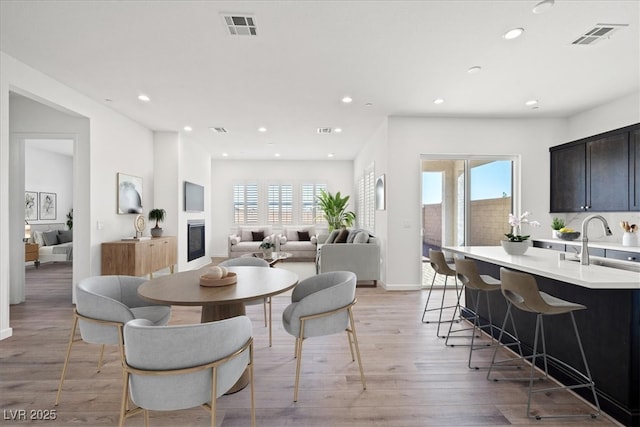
x: 361, y: 258
x: 250, y: 261
x: 103, y: 305
x: 322, y: 305
x: 179, y: 367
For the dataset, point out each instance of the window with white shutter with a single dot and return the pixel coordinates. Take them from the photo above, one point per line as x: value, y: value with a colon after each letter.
x: 311, y: 212
x: 280, y: 204
x: 245, y: 203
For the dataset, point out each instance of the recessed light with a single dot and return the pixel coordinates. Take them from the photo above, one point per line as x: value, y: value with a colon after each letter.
x: 330, y: 155
x: 475, y: 69
x: 543, y: 6
x: 513, y: 33
x: 531, y: 102
x: 225, y: 154
x: 144, y: 98
x: 262, y: 129
x: 337, y: 130
x: 438, y: 101
x: 347, y: 99
x: 188, y: 128
x: 277, y: 155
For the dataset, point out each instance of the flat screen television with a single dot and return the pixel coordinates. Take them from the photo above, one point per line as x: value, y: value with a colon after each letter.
x: 193, y: 197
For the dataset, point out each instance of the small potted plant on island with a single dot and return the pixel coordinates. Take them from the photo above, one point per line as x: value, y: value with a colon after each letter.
x: 267, y: 248
x: 157, y: 215
x: 516, y: 243
x: 557, y: 224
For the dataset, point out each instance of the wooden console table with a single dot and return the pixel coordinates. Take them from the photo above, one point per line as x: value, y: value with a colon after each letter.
x: 139, y: 257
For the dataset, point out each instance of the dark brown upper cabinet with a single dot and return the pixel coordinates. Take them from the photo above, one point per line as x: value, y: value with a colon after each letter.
x: 598, y: 173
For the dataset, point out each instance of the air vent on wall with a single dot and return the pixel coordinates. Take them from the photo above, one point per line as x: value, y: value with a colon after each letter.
x: 597, y: 33
x: 219, y: 130
x: 239, y: 25
x: 324, y: 130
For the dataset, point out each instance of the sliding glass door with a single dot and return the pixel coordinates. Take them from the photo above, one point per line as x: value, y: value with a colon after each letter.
x: 466, y: 200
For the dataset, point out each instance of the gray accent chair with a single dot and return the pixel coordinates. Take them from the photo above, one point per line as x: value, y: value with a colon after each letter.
x: 178, y: 367
x: 250, y: 261
x: 103, y: 305
x: 322, y: 305
x: 361, y: 258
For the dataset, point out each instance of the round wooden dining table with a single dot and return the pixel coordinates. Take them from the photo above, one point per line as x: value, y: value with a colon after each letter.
x: 220, y: 302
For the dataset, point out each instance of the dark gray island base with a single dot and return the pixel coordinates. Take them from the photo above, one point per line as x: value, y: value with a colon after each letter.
x: 609, y: 329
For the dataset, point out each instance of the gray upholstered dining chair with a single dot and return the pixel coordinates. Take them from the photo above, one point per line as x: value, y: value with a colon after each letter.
x: 322, y: 305
x: 178, y: 367
x: 250, y: 261
x: 103, y: 305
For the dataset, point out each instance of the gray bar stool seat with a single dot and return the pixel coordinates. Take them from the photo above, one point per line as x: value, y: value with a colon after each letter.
x: 440, y: 266
x: 521, y: 290
x: 478, y: 284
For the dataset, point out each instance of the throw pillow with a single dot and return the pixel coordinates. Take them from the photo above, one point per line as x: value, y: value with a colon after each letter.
x: 332, y: 236
x: 303, y: 236
x: 361, y: 237
x: 258, y: 236
x: 37, y: 238
x: 342, y: 236
x: 50, y: 237
x: 352, y: 234
x: 65, y: 236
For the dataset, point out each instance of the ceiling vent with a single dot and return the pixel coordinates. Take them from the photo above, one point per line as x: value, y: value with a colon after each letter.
x: 219, y: 130
x: 597, y: 33
x: 324, y: 130
x: 239, y: 25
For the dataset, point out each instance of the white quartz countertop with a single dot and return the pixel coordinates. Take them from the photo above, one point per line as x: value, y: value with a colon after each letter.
x: 546, y: 263
x: 593, y: 244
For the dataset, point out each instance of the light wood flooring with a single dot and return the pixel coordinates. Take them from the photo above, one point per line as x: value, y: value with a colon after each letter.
x: 412, y: 378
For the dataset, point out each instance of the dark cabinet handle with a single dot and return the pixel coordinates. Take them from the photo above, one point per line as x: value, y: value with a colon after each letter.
x: 631, y: 258
x: 549, y: 246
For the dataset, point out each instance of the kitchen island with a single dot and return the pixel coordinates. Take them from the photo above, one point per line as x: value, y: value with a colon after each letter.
x: 609, y: 327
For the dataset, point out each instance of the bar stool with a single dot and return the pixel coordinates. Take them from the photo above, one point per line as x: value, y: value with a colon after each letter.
x: 440, y: 266
x: 478, y: 284
x: 521, y: 290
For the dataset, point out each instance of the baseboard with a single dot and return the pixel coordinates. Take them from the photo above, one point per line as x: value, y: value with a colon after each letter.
x: 400, y: 287
x: 6, y: 333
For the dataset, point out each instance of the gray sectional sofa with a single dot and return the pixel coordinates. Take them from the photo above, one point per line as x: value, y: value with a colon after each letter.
x: 359, y: 253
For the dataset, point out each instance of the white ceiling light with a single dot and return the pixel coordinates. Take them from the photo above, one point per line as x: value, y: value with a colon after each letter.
x: 543, y: 6
x: 277, y: 155
x: 337, y: 130
x: 531, y: 102
x: 225, y: 154
x: 347, y: 99
x: 144, y: 98
x: 262, y: 129
x: 188, y: 128
x: 513, y: 33
x: 475, y: 69
x: 330, y: 155
x: 438, y: 101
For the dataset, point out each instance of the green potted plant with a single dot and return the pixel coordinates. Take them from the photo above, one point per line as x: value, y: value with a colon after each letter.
x: 267, y: 247
x: 334, y: 209
x: 70, y: 219
x: 157, y: 215
x: 556, y: 225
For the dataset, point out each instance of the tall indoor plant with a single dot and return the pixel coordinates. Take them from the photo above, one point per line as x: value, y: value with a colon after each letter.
x: 334, y: 209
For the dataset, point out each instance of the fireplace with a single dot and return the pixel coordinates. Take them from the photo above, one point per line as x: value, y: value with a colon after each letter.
x: 195, y: 239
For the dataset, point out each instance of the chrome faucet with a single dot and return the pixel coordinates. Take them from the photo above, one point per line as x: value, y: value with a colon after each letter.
x: 584, y: 253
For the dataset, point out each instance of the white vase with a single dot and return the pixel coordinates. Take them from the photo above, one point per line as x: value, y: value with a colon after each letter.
x: 515, y: 248
x: 629, y: 239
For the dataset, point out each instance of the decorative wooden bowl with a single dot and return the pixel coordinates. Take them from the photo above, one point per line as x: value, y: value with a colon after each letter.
x: 229, y: 279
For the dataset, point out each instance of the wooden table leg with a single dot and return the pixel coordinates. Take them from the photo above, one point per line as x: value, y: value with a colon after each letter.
x: 211, y: 313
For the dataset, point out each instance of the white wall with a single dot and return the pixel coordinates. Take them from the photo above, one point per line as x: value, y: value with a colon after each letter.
x: 111, y: 143
x: 409, y: 138
x: 338, y: 175
x: 50, y: 173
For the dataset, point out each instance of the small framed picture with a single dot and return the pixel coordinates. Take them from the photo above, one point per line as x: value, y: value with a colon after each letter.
x: 48, y: 205
x: 380, y: 193
x: 129, y: 194
x: 30, y: 205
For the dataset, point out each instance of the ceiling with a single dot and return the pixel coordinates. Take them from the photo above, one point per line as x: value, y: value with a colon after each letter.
x: 392, y: 57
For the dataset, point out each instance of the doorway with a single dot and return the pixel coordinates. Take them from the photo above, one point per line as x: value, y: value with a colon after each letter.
x: 466, y: 201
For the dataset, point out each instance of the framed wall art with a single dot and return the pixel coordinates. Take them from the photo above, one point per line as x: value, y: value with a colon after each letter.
x: 48, y: 205
x: 380, y: 190
x: 30, y: 205
x: 129, y: 194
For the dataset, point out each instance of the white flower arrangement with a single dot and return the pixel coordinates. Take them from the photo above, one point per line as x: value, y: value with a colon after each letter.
x: 516, y: 223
